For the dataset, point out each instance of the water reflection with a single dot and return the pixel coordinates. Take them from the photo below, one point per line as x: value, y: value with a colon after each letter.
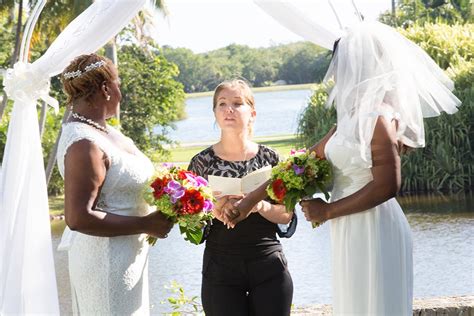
x: 442, y: 225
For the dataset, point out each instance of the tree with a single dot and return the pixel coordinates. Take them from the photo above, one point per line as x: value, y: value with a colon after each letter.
x: 409, y: 12
x: 152, y: 98
x: 305, y: 65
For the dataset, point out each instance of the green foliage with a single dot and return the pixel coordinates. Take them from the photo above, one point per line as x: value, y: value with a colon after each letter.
x: 7, y: 38
x: 411, y: 12
x: 446, y: 163
x: 447, y: 45
x: 151, y: 97
x: 295, y: 63
x: 316, y: 120
x: 182, y: 304
x: 307, y: 64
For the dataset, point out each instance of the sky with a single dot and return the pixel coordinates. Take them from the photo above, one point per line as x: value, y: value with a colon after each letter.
x: 204, y: 25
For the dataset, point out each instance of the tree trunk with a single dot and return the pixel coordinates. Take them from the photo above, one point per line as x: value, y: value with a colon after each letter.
x: 111, y: 53
x: 44, y: 110
x: 54, y: 150
x: 394, y: 12
x: 16, y: 51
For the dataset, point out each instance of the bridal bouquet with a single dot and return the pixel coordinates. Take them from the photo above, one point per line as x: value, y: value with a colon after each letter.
x: 183, y: 197
x: 301, y: 175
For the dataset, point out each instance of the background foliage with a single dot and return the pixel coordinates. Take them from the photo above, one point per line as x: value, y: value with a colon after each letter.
x: 294, y: 63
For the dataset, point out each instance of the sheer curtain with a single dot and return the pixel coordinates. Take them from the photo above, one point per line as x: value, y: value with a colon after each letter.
x: 27, y: 277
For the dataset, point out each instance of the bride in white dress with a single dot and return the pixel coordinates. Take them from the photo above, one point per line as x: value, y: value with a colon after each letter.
x: 107, y: 218
x: 384, y: 86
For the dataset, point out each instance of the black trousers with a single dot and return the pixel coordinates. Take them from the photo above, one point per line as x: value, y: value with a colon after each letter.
x: 235, y: 286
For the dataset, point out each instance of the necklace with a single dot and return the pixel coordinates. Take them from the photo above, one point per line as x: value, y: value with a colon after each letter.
x: 89, y: 122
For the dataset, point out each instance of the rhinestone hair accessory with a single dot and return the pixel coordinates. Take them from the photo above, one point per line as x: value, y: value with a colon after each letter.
x: 78, y: 73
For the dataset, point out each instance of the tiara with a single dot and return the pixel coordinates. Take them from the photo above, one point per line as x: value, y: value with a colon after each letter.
x: 77, y: 73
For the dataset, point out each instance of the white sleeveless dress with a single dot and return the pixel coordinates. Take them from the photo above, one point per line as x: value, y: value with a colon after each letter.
x: 372, y: 250
x: 109, y: 276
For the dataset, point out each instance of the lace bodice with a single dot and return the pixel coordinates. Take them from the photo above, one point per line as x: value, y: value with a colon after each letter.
x: 128, y: 171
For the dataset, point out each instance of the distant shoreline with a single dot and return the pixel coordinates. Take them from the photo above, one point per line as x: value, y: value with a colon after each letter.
x: 259, y: 89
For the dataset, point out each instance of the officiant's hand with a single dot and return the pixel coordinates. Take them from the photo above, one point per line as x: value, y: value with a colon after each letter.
x: 157, y: 225
x: 315, y: 210
x: 223, y: 203
x: 239, y: 211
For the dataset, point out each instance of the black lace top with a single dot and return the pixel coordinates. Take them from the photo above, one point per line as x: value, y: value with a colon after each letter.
x: 254, y: 236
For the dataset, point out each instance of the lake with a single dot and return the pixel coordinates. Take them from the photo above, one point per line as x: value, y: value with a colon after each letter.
x: 277, y: 114
x: 442, y: 226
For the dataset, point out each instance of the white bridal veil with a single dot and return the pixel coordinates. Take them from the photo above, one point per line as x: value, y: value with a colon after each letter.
x: 376, y: 71
x: 27, y: 277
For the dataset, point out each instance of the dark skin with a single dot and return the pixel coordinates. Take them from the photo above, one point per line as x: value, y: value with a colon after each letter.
x: 85, y: 170
x: 386, y: 172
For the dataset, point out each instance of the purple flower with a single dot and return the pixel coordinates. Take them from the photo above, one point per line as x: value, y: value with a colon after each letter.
x: 201, y: 181
x: 208, y: 205
x: 298, y: 170
x: 196, y: 181
x: 175, y: 190
x: 167, y: 165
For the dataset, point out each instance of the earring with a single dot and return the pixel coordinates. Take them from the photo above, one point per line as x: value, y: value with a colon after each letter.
x: 107, y: 97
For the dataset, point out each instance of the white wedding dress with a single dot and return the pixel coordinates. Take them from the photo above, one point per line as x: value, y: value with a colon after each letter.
x: 372, y: 250
x: 109, y: 276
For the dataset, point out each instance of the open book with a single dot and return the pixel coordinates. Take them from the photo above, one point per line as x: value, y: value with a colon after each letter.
x: 240, y: 185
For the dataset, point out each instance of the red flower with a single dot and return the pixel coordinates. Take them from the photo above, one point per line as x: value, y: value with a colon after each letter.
x: 279, y: 189
x: 182, y: 174
x: 192, y: 202
x: 158, y: 186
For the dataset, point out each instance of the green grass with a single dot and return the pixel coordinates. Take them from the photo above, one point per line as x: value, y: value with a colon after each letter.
x: 282, y: 144
x: 259, y: 89
x: 56, y: 205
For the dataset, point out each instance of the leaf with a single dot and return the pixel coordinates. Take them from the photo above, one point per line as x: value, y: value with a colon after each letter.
x: 194, y: 236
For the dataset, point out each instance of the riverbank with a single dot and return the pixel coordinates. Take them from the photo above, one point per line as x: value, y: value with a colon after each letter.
x: 447, y: 306
x: 183, y: 153
x: 259, y: 89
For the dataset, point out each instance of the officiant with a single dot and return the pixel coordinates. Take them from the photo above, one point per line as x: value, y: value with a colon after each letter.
x: 244, y: 269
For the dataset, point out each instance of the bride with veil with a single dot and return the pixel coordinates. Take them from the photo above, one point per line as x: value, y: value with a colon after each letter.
x: 383, y: 87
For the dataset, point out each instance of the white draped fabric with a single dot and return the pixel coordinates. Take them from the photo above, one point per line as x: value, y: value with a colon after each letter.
x: 27, y: 277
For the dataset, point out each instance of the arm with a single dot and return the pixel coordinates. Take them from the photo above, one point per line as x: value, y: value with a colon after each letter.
x: 85, y: 170
x: 275, y: 213
x: 385, y: 184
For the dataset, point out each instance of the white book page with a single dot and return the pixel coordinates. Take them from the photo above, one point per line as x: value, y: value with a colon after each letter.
x: 255, y: 179
x: 240, y: 185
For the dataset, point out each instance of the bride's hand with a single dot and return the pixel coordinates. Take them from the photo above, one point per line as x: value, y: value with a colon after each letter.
x: 222, y: 203
x: 157, y: 225
x: 315, y: 210
x: 238, y: 212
